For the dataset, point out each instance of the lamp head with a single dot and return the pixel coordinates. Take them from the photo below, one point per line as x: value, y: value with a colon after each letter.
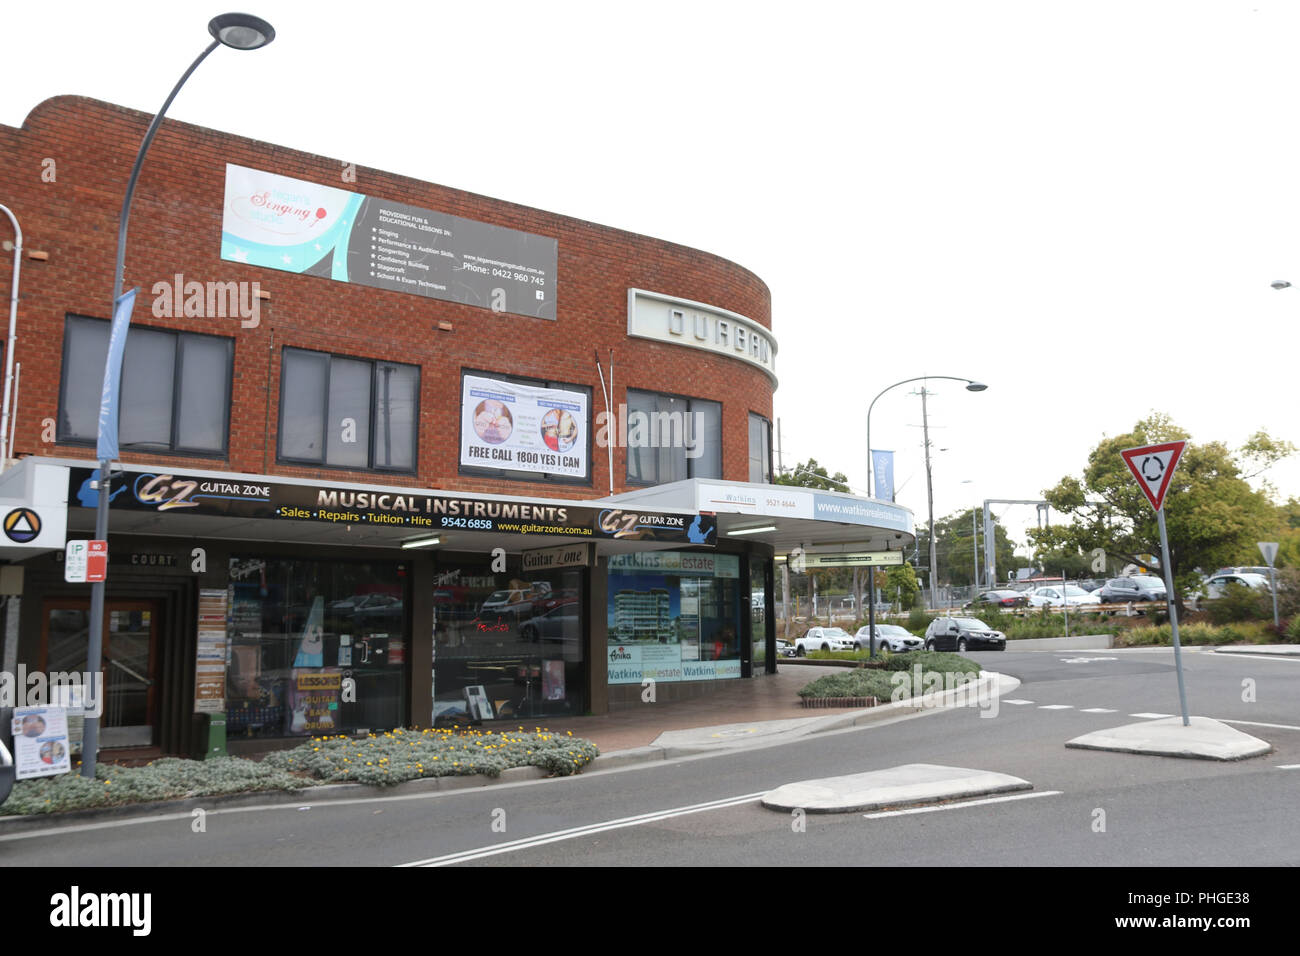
x: 241, y: 31
x: 976, y: 387
x: 1281, y: 284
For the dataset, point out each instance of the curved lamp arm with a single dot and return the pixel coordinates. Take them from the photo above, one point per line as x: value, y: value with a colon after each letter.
x: 971, y: 386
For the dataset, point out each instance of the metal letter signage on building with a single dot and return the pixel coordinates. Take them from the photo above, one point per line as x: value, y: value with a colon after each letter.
x: 695, y: 325
x: 1153, y: 467
x: 277, y: 222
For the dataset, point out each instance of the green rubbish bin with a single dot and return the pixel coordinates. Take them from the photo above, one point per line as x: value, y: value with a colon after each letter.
x: 209, y: 736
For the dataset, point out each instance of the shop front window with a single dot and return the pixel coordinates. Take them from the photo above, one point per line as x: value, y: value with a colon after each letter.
x: 673, y: 616
x: 506, y: 645
x: 315, y: 647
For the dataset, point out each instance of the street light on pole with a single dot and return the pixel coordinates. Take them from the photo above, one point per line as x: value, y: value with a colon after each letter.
x: 971, y: 386
x: 239, y: 31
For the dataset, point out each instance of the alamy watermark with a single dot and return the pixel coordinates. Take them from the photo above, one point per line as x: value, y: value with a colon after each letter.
x: 208, y: 300
x: 947, y: 689
x: 80, y: 690
x: 642, y: 429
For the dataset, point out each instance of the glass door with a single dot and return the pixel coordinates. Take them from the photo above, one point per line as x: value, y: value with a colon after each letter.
x: 130, y: 656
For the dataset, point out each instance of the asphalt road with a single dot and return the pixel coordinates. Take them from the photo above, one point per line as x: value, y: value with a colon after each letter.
x: 1087, y: 808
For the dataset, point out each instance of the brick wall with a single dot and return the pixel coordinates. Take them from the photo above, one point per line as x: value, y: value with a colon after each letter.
x: 176, y: 228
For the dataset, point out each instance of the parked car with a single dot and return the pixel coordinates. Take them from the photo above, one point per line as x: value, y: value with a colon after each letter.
x: 1138, y: 587
x: 1057, y: 596
x: 1217, y: 585
x: 962, y: 634
x: 823, y: 639
x: 888, y: 636
x: 1001, y: 598
x: 1254, y: 569
x: 784, y: 648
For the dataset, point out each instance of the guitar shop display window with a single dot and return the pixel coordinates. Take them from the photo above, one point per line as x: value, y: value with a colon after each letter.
x: 315, y: 647
x: 506, y: 644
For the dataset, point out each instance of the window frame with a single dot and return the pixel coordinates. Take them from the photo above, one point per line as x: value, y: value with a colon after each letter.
x: 769, y: 468
x: 690, y: 462
x: 508, y: 474
x: 281, y: 458
x: 174, y: 419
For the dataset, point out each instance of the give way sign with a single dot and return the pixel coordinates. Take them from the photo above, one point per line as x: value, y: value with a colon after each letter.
x: 1153, y: 467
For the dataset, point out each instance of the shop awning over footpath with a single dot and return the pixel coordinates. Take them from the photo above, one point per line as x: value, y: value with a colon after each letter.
x: 149, y: 500
x: 786, y: 517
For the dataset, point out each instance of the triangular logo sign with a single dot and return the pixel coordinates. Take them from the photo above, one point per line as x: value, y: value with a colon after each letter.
x: 1153, y: 467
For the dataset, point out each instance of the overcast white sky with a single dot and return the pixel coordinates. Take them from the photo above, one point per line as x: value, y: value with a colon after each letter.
x: 1080, y: 203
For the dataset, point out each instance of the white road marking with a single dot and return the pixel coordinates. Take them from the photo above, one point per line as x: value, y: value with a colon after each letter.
x: 575, y: 832
x: 1097, y: 710
x: 1017, y: 702
x: 1056, y: 707
x: 1151, y: 716
x: 958, y: 806
x: 1255, y: 723
x: 1288, y: 766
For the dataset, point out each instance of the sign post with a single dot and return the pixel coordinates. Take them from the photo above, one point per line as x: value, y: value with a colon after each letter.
x: 1153, y: 467
x: 1269, y: 550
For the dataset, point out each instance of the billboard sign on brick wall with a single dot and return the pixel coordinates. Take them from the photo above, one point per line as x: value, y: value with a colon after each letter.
x: 277, y: 222
x: 523, y: 427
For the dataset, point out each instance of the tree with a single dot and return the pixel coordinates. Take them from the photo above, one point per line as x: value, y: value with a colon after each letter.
x: 812, y: 475
x: 901, y: 585
x: 809, y: 474
x: 1211, y: 512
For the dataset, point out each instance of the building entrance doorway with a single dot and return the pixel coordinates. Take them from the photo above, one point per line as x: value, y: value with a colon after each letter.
x: 130, y: 693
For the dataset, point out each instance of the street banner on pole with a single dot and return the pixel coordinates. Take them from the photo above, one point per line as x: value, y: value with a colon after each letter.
x: 106, y: 448
x: 882, y: 464
x: 1153, y: 467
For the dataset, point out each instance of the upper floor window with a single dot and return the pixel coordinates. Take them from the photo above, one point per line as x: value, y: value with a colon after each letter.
x: 348, y: 413
x: 670, y: 438
x: 760, y: 449
x: 175, y: 393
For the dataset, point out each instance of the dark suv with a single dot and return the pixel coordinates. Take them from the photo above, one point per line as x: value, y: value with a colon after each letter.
x: 961, y: 634
x: 1139, y: 587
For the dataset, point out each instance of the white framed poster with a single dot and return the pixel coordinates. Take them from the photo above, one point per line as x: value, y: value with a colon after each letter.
x: 524, y: 427
x: 40, y: 742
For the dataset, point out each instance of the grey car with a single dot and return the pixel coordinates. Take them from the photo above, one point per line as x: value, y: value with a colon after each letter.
x: 890, y: 637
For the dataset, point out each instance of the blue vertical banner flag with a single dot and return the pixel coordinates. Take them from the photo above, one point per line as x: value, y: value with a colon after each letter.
x: 882, y: 470
x: 106, y: 448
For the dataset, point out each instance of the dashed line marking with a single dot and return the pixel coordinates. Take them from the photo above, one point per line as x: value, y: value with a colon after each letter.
x: 1097, y: 710
x: 1017, y: 702
x: 1056, y: 707
x: 1151, y: 716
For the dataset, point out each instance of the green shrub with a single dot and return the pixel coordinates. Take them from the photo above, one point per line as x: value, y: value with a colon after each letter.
x: 381, y: 759
x: 167, y: 779
x: 882, y: 682
x: 1293, y: 629
x: 1240, y: 603
x: 1197, y: 633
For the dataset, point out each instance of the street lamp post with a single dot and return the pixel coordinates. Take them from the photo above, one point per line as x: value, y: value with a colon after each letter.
x: 239, y: 31
x: 971, y: 386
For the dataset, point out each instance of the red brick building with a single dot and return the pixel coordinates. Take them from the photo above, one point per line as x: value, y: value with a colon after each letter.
x: 356, y: 411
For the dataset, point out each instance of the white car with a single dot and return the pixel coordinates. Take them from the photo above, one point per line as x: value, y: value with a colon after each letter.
x: 888, y: 637
x: 1217, y: 586
x: 1057, y: 596
x: 823, y: 639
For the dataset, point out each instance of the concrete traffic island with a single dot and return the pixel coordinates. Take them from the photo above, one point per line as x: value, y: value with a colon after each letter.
x: 1204, y: 738
x: 909, y: 785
